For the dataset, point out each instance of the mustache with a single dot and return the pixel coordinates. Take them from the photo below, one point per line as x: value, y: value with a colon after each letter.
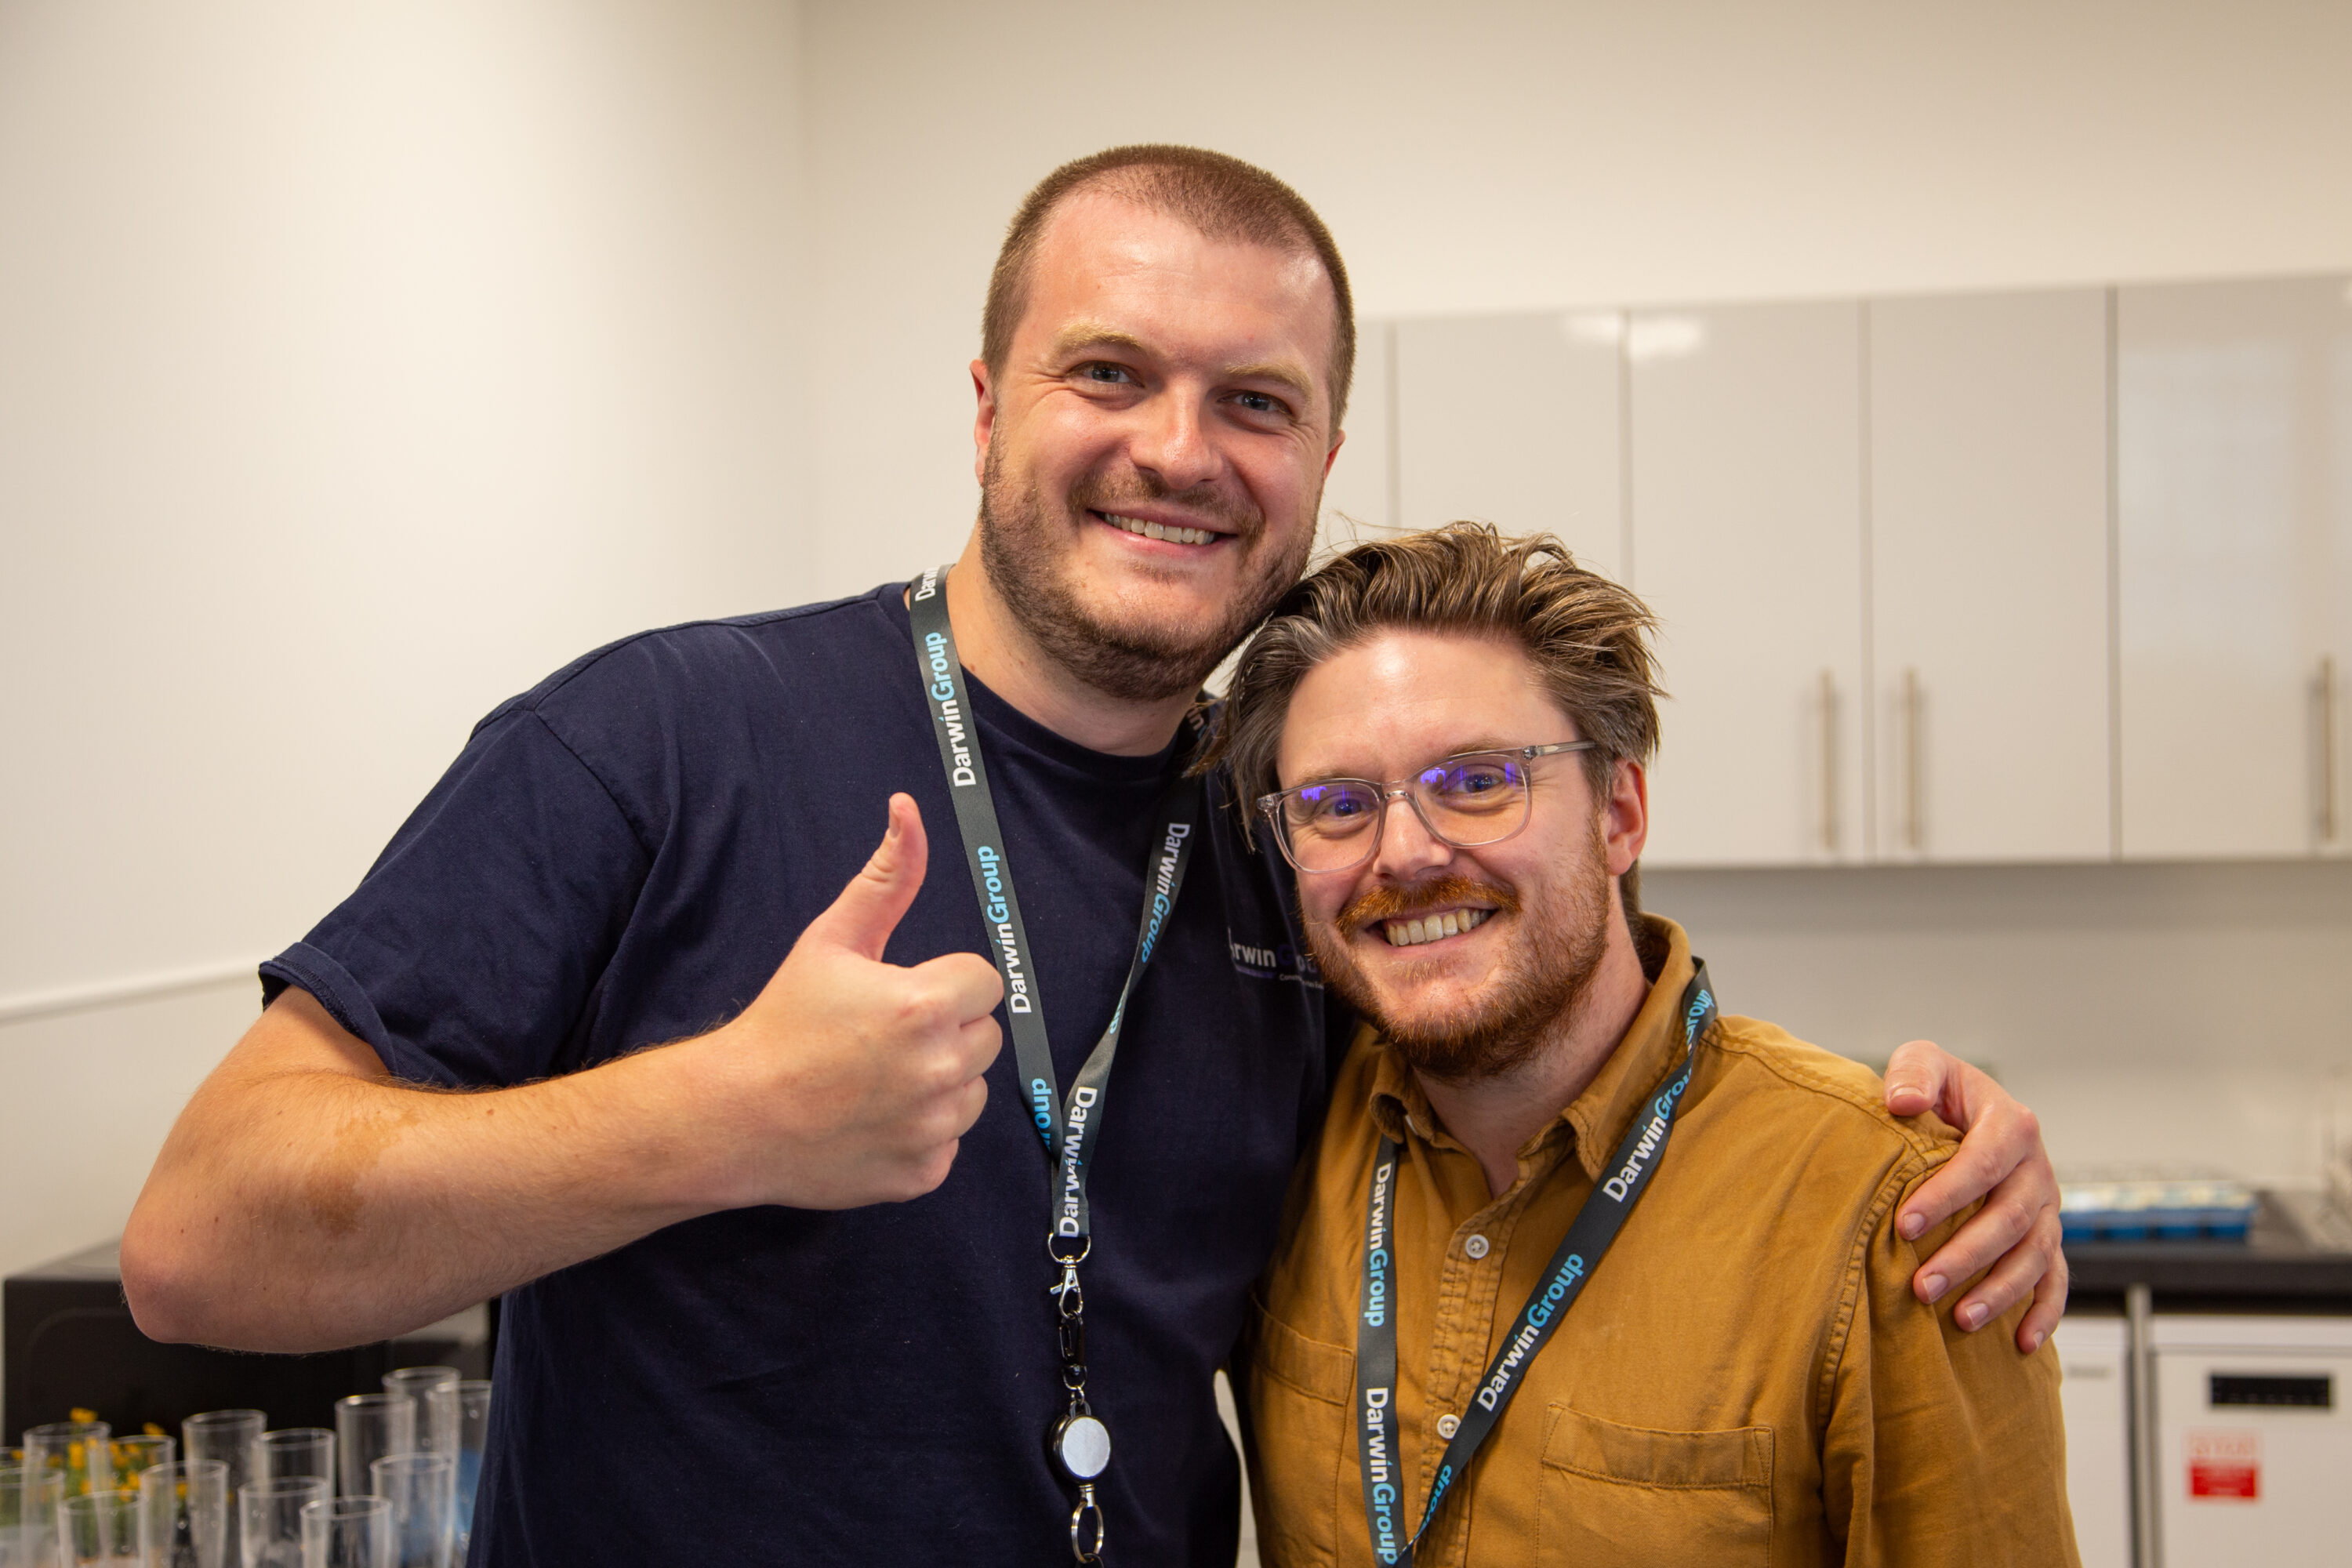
x: 1391, y: 902
x: 1099, y: 493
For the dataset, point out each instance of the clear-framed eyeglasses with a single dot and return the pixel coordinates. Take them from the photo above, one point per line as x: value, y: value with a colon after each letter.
x: 1466, y: 800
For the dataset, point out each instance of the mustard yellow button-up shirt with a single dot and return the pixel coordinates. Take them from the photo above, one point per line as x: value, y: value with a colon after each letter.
x: 1746, y: 1378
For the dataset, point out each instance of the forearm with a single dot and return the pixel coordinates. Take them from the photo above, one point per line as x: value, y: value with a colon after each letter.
x: 296, y: 1207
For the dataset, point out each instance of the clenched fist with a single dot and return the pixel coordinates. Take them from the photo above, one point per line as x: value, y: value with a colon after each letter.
x: 849, y: 1080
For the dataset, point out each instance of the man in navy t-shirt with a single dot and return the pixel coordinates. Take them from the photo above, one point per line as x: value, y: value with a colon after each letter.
x: 778, y: 1290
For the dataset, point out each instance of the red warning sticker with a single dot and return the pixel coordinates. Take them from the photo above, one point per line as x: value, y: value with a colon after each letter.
x: 2225, y: 1463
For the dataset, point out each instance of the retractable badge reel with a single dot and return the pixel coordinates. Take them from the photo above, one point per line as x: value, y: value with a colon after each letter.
x: 1079, y: 1442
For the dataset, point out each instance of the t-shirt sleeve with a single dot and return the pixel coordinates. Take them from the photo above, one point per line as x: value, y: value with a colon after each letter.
x: 471, y: 951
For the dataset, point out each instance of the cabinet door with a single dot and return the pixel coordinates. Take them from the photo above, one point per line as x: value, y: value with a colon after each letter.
x: 2234, y: 471
x: 1745, y: 474
x: 1988, y: 575
x: 2094, y: 1358
x: 1514, y: 420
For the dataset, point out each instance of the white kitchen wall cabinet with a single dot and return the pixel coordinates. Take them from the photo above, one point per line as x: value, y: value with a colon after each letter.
x: 2234, y: 496
x: 1987, y: 492
x: 1746, y: 473
x: 1515, y: 420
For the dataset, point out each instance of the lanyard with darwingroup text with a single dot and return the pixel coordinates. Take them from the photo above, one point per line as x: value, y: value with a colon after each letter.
x: 1069, y: 1128
x: 1580, y: 1252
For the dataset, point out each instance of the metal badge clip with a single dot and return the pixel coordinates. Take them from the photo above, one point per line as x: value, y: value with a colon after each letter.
x: 1081, y: 1547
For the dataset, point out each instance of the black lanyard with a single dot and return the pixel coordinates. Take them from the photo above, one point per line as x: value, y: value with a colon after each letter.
x: 1580, y: 1252
x: 1068, y: 1128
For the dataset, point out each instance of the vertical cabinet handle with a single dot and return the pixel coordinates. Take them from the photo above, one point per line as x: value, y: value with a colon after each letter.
x: 2325, y: 689
x: 1911, y: 760
x: 1829, y: 762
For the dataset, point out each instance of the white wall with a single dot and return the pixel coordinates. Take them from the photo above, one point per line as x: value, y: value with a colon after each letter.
x: 2183, y: 1016
x: 358, y: 365
x: 1526, y: 154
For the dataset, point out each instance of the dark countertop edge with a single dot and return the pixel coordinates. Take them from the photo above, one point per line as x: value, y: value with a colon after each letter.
x: 2279, y: 1267
x: 2108, y: 1302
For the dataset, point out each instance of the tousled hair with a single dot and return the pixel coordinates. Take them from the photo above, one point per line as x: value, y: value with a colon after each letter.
x: 1222, y: 197
x: 1587, y: 637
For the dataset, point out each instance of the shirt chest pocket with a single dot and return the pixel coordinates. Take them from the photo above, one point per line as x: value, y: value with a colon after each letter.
x: 1299, y: 1391
x: 1630, y: 1495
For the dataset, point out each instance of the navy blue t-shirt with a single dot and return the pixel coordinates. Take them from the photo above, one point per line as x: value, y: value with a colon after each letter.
x: 621, y: 856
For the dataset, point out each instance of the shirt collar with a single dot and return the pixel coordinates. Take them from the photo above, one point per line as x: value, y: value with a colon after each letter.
x: 1651, y: 1048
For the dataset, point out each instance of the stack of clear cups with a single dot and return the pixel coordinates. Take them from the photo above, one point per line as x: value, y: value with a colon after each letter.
x: 101, y: 1530
x: 348, y: 1532
x: 269, y: 1518
x: 32, y: 1515
x: 367, y: 1428
x: 80, y: 1451
x: 183, y: 1514
x: 473, y: 1439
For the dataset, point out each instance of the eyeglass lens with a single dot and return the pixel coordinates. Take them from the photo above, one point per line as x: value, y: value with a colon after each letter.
x: 1464, y: 801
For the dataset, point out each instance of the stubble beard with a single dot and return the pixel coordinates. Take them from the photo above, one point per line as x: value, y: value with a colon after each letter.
x: 1137, y: 657
x: 1545, y: 976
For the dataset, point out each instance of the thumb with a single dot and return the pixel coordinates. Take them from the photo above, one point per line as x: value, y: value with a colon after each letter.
x: 1916, y: 1079
x: 877, y: 899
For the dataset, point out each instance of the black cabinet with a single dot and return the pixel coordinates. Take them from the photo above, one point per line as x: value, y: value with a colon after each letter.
x: 69, y: 1341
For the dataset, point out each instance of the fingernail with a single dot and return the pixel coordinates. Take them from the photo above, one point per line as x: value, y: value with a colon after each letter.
x: 2033, y: 1342
x: 1937, y: 1285
x: 1972, y: 1316
x: 1911, y: 1225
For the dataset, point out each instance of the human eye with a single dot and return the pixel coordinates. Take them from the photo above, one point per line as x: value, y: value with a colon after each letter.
x: 1473, y: 781
x: 1258, y: 406
x: 1331, y: 807
x: 1106, y: 372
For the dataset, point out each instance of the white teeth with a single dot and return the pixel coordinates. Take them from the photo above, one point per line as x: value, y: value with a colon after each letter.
x: 1161, y: 531
x: 1414, y: 933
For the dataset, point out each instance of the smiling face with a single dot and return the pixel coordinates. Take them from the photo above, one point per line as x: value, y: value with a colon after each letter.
x: 1465, y: 959
x: 1153, y: 454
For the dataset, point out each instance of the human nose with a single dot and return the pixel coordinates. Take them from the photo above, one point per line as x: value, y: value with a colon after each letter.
x: 1407, y: 846
x: 1173, y: 442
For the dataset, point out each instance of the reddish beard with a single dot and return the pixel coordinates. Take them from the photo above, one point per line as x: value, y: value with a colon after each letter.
x: 1556, y: 949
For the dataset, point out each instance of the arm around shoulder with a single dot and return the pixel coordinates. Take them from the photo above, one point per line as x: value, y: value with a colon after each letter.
x: 1939, y: 1446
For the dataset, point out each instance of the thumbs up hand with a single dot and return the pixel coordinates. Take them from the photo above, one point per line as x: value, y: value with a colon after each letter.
x: 849, y: 1080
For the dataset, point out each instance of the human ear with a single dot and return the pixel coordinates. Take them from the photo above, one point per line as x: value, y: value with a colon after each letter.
x: 983, y: 424
x: 1625, y: 814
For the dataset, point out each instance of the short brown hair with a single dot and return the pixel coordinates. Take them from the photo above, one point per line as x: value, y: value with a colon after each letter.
x: 1222, y: 197
x: 1587, y: 637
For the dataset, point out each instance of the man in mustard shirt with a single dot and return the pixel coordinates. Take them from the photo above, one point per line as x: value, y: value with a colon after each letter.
x: 1581, y: 1272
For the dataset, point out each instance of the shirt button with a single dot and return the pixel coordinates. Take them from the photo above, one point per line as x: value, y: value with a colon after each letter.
x: 1448, y: 1426
x: 1476, y: 1247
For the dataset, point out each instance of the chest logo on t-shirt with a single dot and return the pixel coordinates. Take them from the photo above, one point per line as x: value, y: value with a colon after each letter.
x: 1278, y: 961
